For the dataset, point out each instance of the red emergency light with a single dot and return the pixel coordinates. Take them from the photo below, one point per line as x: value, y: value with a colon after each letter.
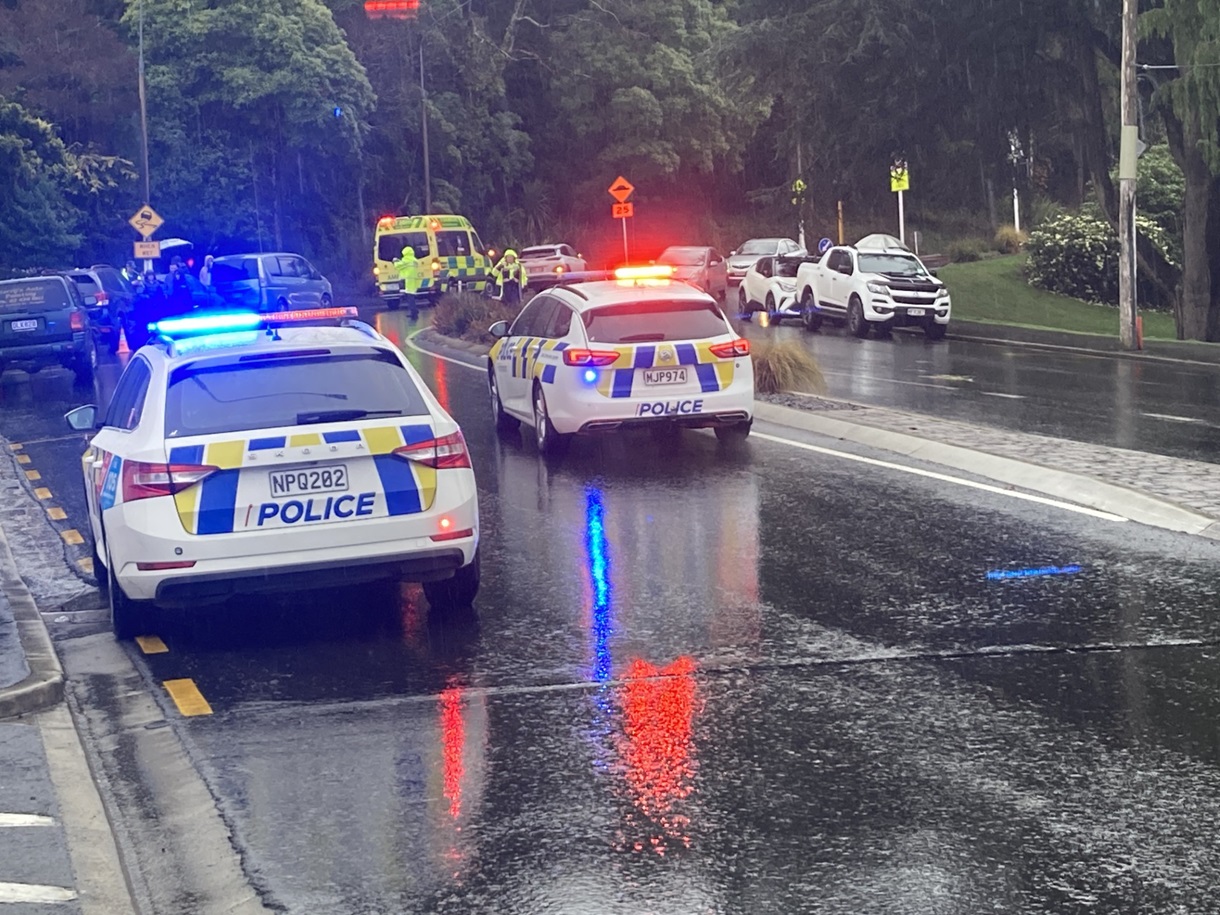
x: 391, y: 9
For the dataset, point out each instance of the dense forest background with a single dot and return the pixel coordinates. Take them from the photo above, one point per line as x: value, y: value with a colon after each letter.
x: 294, y: 124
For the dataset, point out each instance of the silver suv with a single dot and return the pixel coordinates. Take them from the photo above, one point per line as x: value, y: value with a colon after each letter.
x: 270, y: 282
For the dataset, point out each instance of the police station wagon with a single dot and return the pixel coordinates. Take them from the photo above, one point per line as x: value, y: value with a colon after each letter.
x: 244, y: 453
x: 638, y: 350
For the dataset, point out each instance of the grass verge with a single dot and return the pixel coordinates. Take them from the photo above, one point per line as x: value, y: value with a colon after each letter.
x: 467, y: 315
x: 785, y: 366
x: 995, y: 291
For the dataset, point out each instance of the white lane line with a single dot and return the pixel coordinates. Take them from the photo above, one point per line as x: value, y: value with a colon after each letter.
x: 944, y: 478
x: 1006, y: 396
x: 24, y: 819
x: 916, y: 384
x: 410, y: 341
x: 1176, y: 419
x: 1041, y: 500
x: 35, y: 893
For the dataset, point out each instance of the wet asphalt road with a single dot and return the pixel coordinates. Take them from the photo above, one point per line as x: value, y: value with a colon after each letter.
x: 718, y: 681
x: 1163, y: 407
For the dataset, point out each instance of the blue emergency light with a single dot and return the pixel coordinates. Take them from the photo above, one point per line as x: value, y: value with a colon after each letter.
x: 221, y: 322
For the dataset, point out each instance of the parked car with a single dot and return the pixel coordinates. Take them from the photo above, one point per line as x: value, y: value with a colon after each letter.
x: 108, y: 297
x: 702, y: 267
x: 770, y: 286
x: 44, y: 321
x: 743, y: 258
x: 548, y: 264
x: 270, y: 282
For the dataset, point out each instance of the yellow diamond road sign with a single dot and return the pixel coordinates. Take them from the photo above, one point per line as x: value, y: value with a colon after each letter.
x: 146, y: 221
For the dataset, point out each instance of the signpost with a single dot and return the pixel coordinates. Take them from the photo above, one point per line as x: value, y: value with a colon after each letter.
x: 146, y: 221
x: 620, y: 190
x: 900, y: 182
x: 147, y: 250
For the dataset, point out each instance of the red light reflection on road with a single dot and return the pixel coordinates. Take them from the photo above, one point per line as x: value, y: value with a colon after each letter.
x: 442, y: 383
x: 453, y: 740
x: 657, y: 750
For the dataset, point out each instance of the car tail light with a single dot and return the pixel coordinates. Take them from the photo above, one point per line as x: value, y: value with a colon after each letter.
x: 731, y: 349
x: 453, y: 535
x: 589, y: 357
x: 146, y: 481
x: 77, y: 321
x: 444, y: 453
x: 102, y: 297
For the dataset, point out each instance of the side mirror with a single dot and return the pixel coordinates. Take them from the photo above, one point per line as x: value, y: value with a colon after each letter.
x: 82, y: 419
x: 933, y: 272
x: 733, y: 253
x: 499, y: 329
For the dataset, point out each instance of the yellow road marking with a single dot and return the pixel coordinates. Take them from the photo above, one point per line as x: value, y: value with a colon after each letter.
x: 187, y: 697
x: 72, y: 536
x: 85, y: 565
x: 33, y: 475
x: 16, y: 446
x: 42, y: 492
x: 152, y: 644
x: 23, y: 459
x: 56, y: 514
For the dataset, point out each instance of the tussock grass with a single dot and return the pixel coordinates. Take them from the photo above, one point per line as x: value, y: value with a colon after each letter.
x: 467, y: 315
x: 785, y: 366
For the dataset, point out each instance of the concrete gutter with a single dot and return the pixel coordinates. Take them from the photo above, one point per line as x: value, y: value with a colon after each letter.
x: 1060, y: 484
x: 44, y: 686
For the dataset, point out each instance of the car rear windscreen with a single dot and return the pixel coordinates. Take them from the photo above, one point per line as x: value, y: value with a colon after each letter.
x: 264, y: 391
x: 389, y: 247
x: 85, y: 284
x: 654, y: 321
x: 234, y: 272
x: 33, y: 295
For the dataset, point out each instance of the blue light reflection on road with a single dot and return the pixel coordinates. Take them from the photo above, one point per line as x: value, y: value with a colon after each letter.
x: 1002, y: 574
x: 603, y: 590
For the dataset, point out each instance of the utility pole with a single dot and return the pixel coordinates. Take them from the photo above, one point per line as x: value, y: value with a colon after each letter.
x: 423, y: 113
x: 144, y: 124
x: 1128, y: 321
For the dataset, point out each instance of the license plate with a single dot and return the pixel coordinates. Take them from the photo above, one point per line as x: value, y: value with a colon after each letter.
x: 288, y: 483
x: 24, y: 325
x: 665, y: 376
x: 915, y: 312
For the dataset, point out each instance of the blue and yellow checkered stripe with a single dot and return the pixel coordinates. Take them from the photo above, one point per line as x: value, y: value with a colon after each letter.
x: 617, y: 379
x: 471, y: 268
x: 210, y: 507
x: 524, y: 353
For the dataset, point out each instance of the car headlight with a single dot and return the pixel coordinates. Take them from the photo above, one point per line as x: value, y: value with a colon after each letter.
x: 942, y: 293
x: 787, y: 287
x: 878, y: 288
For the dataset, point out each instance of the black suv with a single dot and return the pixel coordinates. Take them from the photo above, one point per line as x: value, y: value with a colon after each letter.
x: 108, y: 297
x: 44, y: 321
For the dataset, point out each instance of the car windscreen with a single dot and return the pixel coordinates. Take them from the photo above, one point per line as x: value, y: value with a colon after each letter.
x: 389, y: 247
x: 892, y: 264
x: 654, y: 321
x: 682, y: 257
x: 786, y: 267
x: 759, y: 246
x: 264, y: 391
x: 33, y: 295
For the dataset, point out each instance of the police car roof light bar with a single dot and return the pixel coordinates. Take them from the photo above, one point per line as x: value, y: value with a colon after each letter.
x: 216, y: 322
x: 648, y: 272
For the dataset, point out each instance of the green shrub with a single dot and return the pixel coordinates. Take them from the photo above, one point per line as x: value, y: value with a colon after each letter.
x: 967, y: 249
x: 1010, y: 240
x: 467, y: 315
x: 785, y: 366
x: 1076, y: 254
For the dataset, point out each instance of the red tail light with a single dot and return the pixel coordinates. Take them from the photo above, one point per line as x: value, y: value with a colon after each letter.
x: 102, y: 297
x: 731, y: 349
x: 77, y: 321
x: 443, y: 453
x: 589, y: 357
x: 147, y: 481
x: 159, y: 566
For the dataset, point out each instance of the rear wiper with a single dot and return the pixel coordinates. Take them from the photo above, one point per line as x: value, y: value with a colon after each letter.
x: 339, y: 416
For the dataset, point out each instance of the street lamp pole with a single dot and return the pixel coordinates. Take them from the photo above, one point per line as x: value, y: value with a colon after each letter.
x: 144, y: 122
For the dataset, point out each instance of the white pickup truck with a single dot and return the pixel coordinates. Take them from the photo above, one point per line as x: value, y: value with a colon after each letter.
x: 882, y: 288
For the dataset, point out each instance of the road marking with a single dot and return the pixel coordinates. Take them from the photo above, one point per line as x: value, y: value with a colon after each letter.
x: 969, y: 378
x: 187, y: 697
x: 1175, y: 419
x: 34, y: 893
x: 24, y: 819
x: 72, y: 536
x: 1006, y: 396
x: 410, y: 341
x: 56, y: 514
x: 917, y: 384
x: 85, y: 565
x: 23, y: 459
x: 16, y: 446
x: 151, y: 644
x: 33, y: 475
x: 943, y: 477
x: 42, y: 492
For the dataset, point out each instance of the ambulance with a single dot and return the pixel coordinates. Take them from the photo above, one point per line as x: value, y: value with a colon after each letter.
x: 449, y: 255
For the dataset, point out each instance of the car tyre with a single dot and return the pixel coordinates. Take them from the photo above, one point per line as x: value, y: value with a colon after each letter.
x: 326, y: 301
x: 856, y: 322
x: 504, y: 422
x: 83, y: 365
x: 934, y: 331
x: 810, y: 316
x: 773, y: 315
x: 393, y: 304
x: 734, y: 433
x: 884, y: 330
x: 128, y: 618
x: 550, y: 442
x: 457, y: 592
x: 101, y: 571
x: 281, y: 304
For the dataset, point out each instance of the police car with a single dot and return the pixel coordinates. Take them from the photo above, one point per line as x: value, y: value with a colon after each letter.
x: 245, y: 453
x: 637, y: 350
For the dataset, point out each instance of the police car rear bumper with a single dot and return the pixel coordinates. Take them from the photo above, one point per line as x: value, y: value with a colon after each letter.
x: 589, y: 411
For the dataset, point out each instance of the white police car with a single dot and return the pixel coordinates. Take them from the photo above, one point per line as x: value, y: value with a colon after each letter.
x: 637, y: 350
x: 245, y: 453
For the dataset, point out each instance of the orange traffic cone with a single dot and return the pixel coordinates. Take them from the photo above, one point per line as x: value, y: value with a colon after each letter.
x: 124, y: 349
